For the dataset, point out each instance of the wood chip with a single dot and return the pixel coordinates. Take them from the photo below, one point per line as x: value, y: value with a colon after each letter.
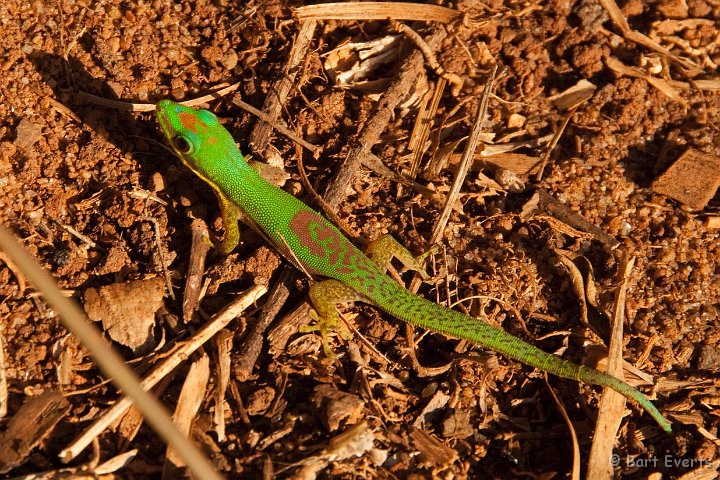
x: 127, y: 310
x: 432, y: 410
x: 29, y: 426
x: 574, y: 96
x: 692, y: 180
x: 191, y: 397
x: 433, y: 452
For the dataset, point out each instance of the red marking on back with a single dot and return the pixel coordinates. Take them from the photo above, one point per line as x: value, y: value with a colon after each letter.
x: 301, y: 225
x: 191, y: 122
x: 323, y: 241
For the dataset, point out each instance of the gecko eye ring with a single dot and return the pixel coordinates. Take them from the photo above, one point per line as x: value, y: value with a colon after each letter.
x: 182, y: 145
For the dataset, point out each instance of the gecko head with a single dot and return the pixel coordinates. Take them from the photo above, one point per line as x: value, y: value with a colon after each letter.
x: 187, y: 129
x: 195, y: 136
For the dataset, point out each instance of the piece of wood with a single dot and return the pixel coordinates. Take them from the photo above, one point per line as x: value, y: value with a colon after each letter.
x: 692, y: 180
x: 377, y: 11
x: 196, y: 269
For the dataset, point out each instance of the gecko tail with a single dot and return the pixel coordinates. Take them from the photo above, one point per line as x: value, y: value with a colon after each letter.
x: 432, y: 316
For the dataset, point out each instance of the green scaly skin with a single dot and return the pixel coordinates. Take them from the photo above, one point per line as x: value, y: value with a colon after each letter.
x: 313, y: 244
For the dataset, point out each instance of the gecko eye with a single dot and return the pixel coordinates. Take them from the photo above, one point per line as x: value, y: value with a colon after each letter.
x: 182, y: 145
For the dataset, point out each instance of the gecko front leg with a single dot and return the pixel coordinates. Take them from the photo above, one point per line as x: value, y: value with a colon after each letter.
x: 230, y: 215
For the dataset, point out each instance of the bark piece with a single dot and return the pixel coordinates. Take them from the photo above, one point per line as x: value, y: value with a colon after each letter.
x: 338, y: 408
x: 31, y: 424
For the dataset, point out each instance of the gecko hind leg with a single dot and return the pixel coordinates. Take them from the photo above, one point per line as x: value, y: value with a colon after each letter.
x: 324, y: 296
x: 383, y: 249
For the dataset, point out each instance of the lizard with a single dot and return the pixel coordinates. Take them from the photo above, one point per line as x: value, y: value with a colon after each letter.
x: 317, y: 247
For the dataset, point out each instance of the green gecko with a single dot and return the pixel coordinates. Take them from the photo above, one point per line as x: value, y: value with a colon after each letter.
x: 318, y: 248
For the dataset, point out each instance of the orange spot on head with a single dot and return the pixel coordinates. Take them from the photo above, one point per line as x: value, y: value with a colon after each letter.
x: 190, y: 122
x: 212, y: 140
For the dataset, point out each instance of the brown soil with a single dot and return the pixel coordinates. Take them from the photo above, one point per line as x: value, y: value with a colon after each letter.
x: 80, y: 181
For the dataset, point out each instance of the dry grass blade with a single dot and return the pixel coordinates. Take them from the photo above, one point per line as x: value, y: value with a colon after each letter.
x: 421, y: 129
x: 29, y: 426
x: 465, y: 162
x: 612, y: 403
x: 150, y: 107
x: 573, y: 435
x: 662, y: 85
x: 377, y: 11
x: 621, y: 22
x: 107, y: 359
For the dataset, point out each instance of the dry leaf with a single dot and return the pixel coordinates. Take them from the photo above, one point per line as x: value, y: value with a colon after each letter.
x: 127, y: 310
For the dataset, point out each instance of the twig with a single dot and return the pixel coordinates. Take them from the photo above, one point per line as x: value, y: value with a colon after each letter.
x: 634, y: 36
x: 285, y: 131
x: 252, y: 344
x: 555, y: 140
x: 161, y: 255
x: 611, y: 403
x: 150, y: 107
x: 274, y: 101
x: 429, y: 56
x: 377, y: 11
x: 16, y: 271
x: 573, y: 436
